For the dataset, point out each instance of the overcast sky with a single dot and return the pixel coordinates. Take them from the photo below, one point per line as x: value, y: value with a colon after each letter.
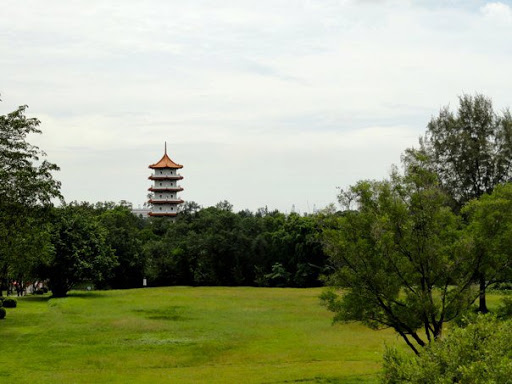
x: 265, y: 103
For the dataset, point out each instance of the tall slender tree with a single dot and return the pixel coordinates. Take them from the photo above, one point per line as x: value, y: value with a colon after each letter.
x: 470, y: 150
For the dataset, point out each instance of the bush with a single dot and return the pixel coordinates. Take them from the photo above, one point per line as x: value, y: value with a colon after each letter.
x: 505, y: 309
x: 503, y: 286
x: 478, y: 353
x: 10, y: 303
x: 2, y: 313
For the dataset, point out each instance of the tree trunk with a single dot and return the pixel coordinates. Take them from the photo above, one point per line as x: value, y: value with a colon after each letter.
x: 59, y: 288
x: 482, y: 308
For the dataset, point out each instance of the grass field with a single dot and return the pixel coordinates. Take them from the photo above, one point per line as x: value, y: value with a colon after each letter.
x: 186, y: 335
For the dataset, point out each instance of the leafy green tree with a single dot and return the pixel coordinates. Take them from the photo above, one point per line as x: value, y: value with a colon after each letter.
x: 279, y: 277
x: 25, y: 176
x: 478, y: 353
x: 81, y: 252
x: 471, y: 152
x: 28, y: 245
x: 490, y: 228
x: 399, y: 258
x: 27, y: 188
x: 122, y: 235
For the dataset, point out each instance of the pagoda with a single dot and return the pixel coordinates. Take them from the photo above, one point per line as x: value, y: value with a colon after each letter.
x: 164, y: 199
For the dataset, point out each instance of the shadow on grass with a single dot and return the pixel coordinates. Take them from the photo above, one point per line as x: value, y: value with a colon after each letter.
x: 173, y: 313
x: 37, y: 298
x: 83, y: 295
x: 360, y: 379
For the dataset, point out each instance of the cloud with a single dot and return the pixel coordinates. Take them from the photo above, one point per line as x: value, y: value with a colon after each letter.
x: 297, y: 97
x: 497, y: 11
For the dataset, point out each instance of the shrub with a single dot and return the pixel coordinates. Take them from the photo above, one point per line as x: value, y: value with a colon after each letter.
x: 503, y: 286
x: 478, y: 353
x: 10, y: 303
x: 505, y: 309
x: 2, y: 313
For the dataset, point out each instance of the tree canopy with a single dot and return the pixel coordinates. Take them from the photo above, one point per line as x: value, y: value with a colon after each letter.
x: 25, y: 175
x: 27, y: 188
x: 80, y: 251
x: 400, y: 258
x: 470, y: 150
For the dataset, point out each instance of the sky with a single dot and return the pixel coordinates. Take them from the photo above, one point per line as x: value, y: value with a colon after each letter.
x: 265, y: 103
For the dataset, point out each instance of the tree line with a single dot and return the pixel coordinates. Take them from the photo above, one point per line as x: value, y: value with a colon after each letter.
x: 106, y: 246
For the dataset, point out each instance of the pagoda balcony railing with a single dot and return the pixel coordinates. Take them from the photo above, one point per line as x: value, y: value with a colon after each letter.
x: 163, y: 213
x: 176, y: 176
x: 162, y: 187
x: 163, y: 201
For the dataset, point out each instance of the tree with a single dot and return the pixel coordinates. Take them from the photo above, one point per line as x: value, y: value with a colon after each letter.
x: 471, y: 152
x: 122, y: 235
x: 25, y: 178
x: 478, y: 353
x: 400, y: 258
x: 27, y: 244
x: 80, y: 251
x: 490, y: 228
x: 27, y: 188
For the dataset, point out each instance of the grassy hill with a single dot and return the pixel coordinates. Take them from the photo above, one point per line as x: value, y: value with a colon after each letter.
x: 186, y: 335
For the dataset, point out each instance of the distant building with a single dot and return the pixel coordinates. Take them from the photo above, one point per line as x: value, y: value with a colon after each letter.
x: 164, y: 199
x: 141, y: 212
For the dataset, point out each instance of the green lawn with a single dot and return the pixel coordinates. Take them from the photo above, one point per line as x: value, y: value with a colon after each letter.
x: 186, y: 335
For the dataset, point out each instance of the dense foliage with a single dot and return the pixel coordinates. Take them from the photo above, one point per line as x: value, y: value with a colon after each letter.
x: 490, y: 230
x: 415, y: 251
x: 26, y: 190
x: 402, y: 257
x: 478, y: 353
x: 471, y: 153
x: 215, y: 246
x: 470, y: 150
x: 80, y: 251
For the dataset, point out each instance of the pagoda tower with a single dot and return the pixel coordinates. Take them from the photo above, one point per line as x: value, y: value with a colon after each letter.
x: 164, y: 200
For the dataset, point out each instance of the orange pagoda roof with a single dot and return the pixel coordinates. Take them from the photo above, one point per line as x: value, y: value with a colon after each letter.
x: 166, y: 162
